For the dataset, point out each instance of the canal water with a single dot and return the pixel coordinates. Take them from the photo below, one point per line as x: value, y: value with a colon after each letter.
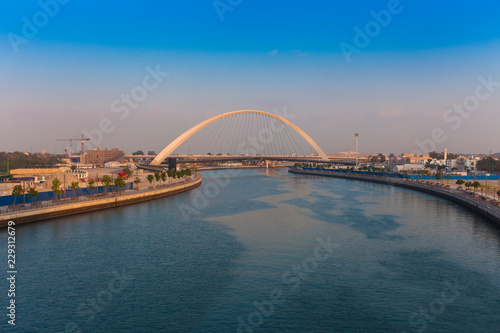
x: 261, y: 251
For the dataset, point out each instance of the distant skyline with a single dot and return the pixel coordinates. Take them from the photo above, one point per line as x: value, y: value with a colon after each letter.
x: 67, y: 66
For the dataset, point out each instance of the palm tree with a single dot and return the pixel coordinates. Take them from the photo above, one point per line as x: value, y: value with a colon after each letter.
x: 438, y: 177
x: 91, y: 185
x: 468, y: 185
x: 17, y: 191
x: 476, y: 185
x: 74, y: 186
x: 460, y: 182
x: 157, y: 177
x: 150, y: 179
x: 119, y: 182
x: 32, y: 193
x: 55, y: 186
x: 137, y: 180
x: 163, y: 176
x: 107, y: 181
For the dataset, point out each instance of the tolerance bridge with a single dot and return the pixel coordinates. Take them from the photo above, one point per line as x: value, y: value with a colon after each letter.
x: 251, y: 134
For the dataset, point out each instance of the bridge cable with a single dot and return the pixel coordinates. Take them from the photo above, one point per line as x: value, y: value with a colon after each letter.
x: 225, y: 134
x: 275, y: 135
x: 231, y: 135
x: 271, y: 137
x: 222, y: 134
x: 266, y: 133
x: 280, y: 134
x: 216, y: 141
x: 285, y: 142
x: 241, y: 136
x: 259, y: 133
x: 244, y: 132
x: 247, y: 130
x: 204, y: 142
x: 236, y: 134
x: 270, y: 133
x: 237, y: 140
x: 289, y: 141
x: 217, y: 137
x: 292, y: 149
x: 210, y: 137
x: 251, y: 127
x: 298, y: 146
x: 297, y: 143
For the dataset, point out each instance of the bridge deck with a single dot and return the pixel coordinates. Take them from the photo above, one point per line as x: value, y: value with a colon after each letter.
x: 231, y: 158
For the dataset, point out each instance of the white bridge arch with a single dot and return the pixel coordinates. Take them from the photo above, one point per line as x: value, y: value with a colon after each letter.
x: 186, y: 135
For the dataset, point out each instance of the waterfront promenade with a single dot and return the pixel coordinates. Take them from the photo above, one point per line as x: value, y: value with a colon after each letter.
x: 482, y: 205
x: 69, y: 206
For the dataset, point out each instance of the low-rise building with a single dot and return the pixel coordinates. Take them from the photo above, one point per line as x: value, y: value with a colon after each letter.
x: 464, y: 164
x: 116, y: 164
x: 347, y: 155
x: 78, y: 173
x: 7, y: 186
x: 26, y: 183
x: 31, y: 172
x: 98, y: 156
x: 409, y: 158
x: 461, y: 164
x: 408, y: 167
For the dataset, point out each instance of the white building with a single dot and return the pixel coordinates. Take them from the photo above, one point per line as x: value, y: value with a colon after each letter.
x: 464, y: 164
x: 408, y: 167
x: 450, y: 164
x: 78, y: 173
x: 438, y: 162
x: 115, y: 164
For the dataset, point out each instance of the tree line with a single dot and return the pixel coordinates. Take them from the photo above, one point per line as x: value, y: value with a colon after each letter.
x: 20, y: 160
x: 488, y: 164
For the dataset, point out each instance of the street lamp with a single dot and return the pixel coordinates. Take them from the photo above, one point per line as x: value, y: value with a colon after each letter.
x: 357, y: 136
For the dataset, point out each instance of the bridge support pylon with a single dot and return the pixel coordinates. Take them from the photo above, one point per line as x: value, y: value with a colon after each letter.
x: 172, y: 163
x: 273, y: 164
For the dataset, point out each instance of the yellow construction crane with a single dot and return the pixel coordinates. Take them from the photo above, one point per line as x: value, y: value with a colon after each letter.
x: 82, y: 139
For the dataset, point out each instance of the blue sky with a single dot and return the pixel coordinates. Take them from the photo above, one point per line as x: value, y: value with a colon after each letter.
x: 264, y: 55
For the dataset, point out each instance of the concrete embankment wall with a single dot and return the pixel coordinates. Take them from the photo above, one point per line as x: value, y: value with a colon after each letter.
x: 242, y: 167
x: 488, y: 210
x: 88, y: 206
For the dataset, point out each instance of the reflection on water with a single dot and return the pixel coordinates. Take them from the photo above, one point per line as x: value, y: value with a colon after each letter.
x: 398, y: 252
